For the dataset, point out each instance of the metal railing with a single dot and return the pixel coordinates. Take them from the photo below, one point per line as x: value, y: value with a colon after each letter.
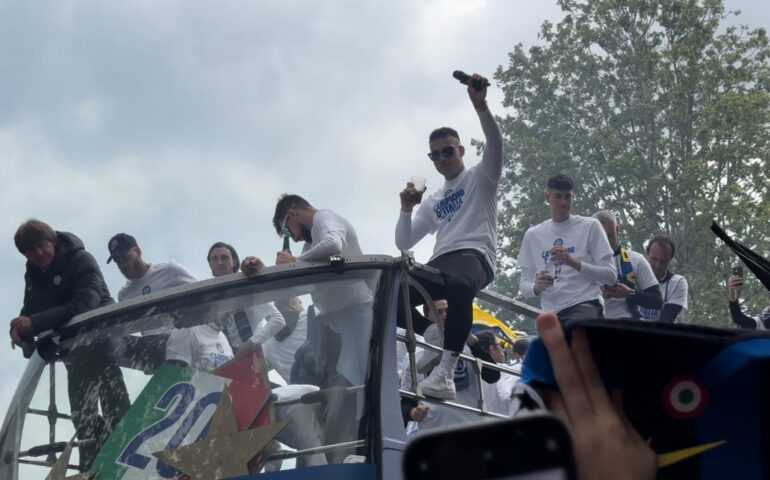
x: 410, y: 339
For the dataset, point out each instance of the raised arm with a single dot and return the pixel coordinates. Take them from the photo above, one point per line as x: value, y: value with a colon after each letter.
x: 740, y: 318
x: 492, y: 159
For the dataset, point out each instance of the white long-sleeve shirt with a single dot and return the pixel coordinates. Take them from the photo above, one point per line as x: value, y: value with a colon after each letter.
x: 334, y: 235
x: 463, y: 212
x: 585, y: 239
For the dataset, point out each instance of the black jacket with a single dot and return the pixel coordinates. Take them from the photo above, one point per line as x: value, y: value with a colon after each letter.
x: 71, y: 285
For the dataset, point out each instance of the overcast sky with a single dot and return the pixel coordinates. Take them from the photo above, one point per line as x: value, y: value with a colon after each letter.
x: 181, y: 122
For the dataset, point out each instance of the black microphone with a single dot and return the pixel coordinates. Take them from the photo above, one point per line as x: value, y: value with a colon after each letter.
x: 286, y: 243
x: 464, y: 78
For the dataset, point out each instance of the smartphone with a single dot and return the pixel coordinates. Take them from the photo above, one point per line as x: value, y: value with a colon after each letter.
x: 686, y: 386
x: 531, y: 448
x: 738, y: 271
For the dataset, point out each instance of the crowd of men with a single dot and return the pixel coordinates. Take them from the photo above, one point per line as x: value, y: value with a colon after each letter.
x: 576, y: 265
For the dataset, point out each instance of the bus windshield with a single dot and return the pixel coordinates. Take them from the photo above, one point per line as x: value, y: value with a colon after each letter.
x: 289, y: 351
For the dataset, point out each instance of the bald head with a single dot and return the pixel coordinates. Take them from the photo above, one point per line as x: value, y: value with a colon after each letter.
x: 610, y: 224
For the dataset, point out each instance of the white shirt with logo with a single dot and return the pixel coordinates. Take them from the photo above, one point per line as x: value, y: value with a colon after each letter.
x: 463, y: 212
x: 202, y: 347
x: 159, y: 277
x: 585, y: 239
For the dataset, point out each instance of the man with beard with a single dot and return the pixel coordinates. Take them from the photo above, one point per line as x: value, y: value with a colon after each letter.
x: 148, y: 351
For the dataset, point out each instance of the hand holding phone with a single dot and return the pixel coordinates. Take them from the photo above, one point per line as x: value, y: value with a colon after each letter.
x: 604, y: 440
x: 734, y: 285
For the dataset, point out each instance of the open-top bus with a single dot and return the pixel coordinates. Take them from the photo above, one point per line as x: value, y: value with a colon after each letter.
x: 350, y: 429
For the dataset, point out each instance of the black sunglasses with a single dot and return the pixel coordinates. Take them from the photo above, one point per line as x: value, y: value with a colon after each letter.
x: 446, y: 152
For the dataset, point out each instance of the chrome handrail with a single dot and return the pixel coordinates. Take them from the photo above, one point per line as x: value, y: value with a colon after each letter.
x: 315, y: 450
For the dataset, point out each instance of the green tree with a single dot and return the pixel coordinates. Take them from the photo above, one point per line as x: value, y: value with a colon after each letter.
x: 661, y: 114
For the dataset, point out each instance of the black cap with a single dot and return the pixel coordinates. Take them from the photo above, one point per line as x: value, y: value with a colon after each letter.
x: 120, y: 244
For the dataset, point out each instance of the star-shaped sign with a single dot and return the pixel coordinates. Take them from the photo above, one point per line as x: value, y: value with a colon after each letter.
x: 225, y: 452
x: 59, y: 469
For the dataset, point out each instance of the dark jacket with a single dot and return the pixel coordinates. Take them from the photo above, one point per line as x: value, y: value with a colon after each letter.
x: 71, y: 285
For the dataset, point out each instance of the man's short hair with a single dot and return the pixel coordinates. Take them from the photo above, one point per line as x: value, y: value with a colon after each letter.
x: 662, y: 239
x: 283, y: 304
x: 443, y: 132
x: 233, y: 253
x: 560, y: 182
x: 486, y: 339
x: 285, y: 203
x: 520, y: 346
x: 606, y: 217
x: 32, y: 232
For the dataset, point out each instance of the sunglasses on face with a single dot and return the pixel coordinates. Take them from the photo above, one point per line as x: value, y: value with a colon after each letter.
x: 445, y: 152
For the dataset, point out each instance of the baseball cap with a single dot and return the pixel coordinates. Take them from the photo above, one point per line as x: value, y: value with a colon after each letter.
x: 120, y: 244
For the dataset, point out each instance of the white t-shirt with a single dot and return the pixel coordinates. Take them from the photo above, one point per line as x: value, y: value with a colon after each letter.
x: 334, y: 235
x: 265, y: 321
x: 585, y: 239
x: 463, y: 212
x: 279, y: 355
x: 159, y: 277
x: 674, y: 291
x: 202, y: 347
x: 618, y: 307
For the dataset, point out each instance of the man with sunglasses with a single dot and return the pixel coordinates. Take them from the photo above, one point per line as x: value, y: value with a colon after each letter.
x: 463, y: 215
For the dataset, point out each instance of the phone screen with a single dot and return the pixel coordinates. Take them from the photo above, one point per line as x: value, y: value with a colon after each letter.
x: 531, y: 448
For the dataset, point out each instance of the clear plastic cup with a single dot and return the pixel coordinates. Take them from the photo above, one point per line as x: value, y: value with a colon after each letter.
x: 419, y: 183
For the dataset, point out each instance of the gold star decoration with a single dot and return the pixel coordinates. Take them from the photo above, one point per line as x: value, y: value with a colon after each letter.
x: 59, y: 469
x: 225, y: 452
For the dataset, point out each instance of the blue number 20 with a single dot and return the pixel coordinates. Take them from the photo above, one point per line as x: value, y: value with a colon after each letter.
x: 186, y: 392
x: 167, y: 471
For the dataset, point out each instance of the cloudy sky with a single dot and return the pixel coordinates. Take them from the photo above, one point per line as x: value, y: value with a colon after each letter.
x: 181, y: 122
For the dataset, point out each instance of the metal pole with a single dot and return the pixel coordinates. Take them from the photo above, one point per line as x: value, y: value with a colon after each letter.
x: 52, y: 411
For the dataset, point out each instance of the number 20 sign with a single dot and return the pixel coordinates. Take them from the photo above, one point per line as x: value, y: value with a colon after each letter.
x: 174, y: 409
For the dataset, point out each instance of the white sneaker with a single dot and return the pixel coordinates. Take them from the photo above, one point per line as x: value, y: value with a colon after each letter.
x: 439, y: 384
